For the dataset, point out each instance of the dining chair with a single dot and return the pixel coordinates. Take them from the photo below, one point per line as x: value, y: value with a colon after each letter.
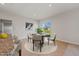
x: 29, y: 35
x: 52, y: 38
x: 37, y: 41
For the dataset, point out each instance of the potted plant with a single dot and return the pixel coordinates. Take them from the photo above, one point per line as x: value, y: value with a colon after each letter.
x: 39, y: 30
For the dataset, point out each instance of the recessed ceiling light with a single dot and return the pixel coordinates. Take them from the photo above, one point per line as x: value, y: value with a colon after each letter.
x: 50, y: 5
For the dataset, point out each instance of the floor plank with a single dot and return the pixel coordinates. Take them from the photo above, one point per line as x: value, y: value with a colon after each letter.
x: 64, y: 49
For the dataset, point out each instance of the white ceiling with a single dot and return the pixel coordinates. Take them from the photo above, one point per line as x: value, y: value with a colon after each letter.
x: 37, y: 11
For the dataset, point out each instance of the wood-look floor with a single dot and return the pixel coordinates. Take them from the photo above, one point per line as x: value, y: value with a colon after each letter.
x: 62, y: 47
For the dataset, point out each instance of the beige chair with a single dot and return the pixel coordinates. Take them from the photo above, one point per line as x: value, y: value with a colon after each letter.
x: 29, y: 37
x: 52, y: 38
x: 37, y: 41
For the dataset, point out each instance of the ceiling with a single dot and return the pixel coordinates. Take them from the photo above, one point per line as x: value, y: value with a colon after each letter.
x: 38, y: 11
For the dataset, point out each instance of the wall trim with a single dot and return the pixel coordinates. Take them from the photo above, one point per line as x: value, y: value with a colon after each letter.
x: 71, y: 42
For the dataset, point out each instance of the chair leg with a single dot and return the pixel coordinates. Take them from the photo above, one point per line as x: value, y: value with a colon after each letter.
x: 54, y: 42
x: 28, y: 39
x: 20, y: 52
x: 48, y: 41
x: 33, y: 45
x: 40, y: 46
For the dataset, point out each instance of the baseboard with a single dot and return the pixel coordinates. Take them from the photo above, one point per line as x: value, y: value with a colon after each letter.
x: 69, y: 42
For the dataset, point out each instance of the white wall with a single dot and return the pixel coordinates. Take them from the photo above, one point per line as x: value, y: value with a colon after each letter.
x: 18, y: 23
x: 66, y: 26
